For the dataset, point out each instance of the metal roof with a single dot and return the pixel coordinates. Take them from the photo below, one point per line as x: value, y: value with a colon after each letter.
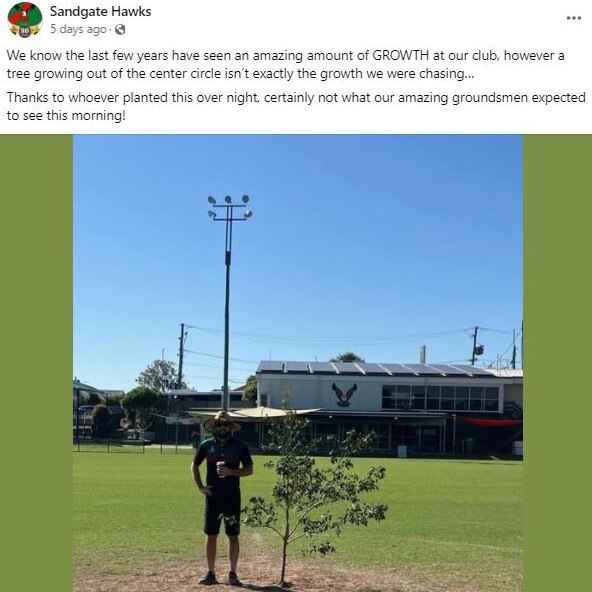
x: 373, y: 369
x: 509, y: 372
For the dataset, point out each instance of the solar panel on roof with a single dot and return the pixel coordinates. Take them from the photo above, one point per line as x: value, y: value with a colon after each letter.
x: 424, y: 369
x: 450, y: 370
x: 322, y: 367
x: 271, y: 366
x: 297, y: 367
x: 346, y: 368
x: 371, y: 368
x: 473, y: 370
x: 399, y: 369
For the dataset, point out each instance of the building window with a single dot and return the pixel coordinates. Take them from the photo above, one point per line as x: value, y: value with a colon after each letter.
x: 359, y: 428
x: 461, y: 398
x: 406, y: 397
x: 326, y: 429
x: 491, y: 398
x: 447, y: 398
x: 403, y: 400
x: 397, y: 397
x: 476, y: 398
x: 389, y: 394
x: 418, y: 398
x: 433, y: 398
x: 381, y: 441
x: 403, y: 434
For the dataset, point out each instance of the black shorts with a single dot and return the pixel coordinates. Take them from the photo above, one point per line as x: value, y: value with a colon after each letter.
x: 225, y: 505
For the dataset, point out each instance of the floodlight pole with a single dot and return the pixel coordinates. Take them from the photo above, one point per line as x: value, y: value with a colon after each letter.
x: 229, y: 218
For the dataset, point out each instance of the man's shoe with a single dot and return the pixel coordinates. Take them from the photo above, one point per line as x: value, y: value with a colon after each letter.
x: 209, y: 579
x: 233, y: 579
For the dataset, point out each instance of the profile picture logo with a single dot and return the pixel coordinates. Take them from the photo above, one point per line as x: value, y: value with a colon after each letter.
x: 24, y: 19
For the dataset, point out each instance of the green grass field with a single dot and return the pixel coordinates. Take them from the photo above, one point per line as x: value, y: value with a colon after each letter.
x: 450, y: 519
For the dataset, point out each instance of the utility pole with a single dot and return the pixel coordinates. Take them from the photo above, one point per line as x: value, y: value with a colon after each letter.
x: 181, y: 348
x: 474, y: 354
x: 522, y: 345
x: 513, y: 362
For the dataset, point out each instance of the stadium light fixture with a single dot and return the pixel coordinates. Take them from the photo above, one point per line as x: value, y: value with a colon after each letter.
x: 229, y: 218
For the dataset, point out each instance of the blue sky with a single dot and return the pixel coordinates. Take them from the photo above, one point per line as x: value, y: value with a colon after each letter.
x: 376, y: 244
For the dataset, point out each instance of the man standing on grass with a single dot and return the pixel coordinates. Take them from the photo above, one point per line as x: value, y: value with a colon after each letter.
x: 224, y: 455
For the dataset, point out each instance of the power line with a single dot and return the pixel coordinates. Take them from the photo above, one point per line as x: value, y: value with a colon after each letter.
x: 190, y: 351
x: 510, y: 347
x: 209, y: 365
x: 359, y: 340
x: 213, y: 378
x: 495, y: 330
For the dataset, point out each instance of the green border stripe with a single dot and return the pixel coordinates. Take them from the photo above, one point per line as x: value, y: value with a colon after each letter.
x: 36, y: 235
x: 36, y: 242
x: 557, y: 214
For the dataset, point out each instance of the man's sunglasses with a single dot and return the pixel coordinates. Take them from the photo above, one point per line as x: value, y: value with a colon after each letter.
x: 221, y: 424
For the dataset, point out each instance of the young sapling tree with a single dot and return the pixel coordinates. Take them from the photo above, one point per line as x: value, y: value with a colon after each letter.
x: 307, y: 500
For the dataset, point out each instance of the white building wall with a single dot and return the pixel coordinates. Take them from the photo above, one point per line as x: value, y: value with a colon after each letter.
x: 306, y: 392
x: 513, y: 392
x: 315, y: 391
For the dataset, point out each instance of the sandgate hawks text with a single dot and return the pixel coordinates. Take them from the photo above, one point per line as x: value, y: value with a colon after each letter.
x: 84, y: 12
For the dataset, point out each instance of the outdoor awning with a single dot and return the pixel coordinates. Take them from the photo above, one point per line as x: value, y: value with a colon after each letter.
x: 253, y: 413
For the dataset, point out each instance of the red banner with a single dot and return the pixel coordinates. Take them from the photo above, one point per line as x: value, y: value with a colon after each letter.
x: 492, y: 423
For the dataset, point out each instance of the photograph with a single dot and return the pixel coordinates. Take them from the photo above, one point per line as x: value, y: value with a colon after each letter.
x: 294, y: 259
x: 316, y: 340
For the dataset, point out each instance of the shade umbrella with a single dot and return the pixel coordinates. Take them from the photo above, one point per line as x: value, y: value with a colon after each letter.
x: 80, y: 386
x: 261, y: 413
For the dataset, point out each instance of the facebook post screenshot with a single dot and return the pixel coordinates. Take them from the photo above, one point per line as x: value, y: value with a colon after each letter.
x: 94, y: 68
x: 292, y: 258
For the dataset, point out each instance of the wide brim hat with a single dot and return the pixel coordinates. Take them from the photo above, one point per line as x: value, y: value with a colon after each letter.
x: 222, y: 416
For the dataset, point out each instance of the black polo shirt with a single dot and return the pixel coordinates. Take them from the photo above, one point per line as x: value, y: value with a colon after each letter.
x: 233, y: 453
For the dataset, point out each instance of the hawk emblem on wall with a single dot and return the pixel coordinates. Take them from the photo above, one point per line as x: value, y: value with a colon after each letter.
x: 344, y: 396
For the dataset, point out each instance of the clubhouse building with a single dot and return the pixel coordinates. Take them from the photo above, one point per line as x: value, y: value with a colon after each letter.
x: 414, y: 409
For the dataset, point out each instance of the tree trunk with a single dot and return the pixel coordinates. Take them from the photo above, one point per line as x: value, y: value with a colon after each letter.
x: 285, y: 541
x: 284, y: 556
